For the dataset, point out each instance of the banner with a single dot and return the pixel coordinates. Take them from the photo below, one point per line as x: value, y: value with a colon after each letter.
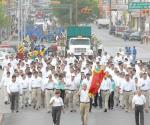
x: 97, y: 79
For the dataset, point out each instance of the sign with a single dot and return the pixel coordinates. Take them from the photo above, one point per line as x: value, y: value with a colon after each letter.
x: 119, y: 7
x: 138, y: 5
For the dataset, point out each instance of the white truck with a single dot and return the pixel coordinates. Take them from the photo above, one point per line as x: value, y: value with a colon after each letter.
x: 79, y: 40
x: 103, y: 23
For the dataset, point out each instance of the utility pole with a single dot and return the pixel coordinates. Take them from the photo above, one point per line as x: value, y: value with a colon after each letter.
x: 76, y: 12
x: 140, y: 20
x: 110, y: 25
x: 70, y: 10
x: 19, y: 20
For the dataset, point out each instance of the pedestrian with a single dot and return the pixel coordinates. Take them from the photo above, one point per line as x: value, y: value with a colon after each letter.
x: 128, y: 88
x: 138, y: 103
x: 14, y: 90
x: 100, y: 49
x: 49, y: 91
x: 145, y: 87
x: 57, y: 106
x: 112, y: 90
x: 4, y: 82
x: 84, y: 103
x: 35, y: 87
x: 105, y: 91
x: 133, y: 54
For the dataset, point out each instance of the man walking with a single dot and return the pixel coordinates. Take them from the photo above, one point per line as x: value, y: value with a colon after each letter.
x: 84, y: 104
x: 138, y: 102
x: 14, y: 89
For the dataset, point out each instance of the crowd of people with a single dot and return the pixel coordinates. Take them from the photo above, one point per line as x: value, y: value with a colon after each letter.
x: 57, y: 81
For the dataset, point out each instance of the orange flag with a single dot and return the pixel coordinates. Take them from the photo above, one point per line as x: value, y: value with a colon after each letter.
x: 97, y: 79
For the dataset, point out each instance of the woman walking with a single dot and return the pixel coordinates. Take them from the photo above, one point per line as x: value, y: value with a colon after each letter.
x: 57, y: 107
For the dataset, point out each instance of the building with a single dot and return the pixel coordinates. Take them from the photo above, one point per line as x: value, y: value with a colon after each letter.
x: 118, y: 11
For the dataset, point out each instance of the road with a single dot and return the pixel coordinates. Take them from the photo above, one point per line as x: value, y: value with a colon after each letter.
x: 97, y: 117
x: 112, y: 44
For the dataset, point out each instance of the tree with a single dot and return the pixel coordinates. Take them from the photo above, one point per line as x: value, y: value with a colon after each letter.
x: 4, y: 19
x: 62, y: 13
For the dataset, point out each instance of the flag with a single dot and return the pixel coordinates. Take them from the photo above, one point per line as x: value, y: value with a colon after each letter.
x: 97, y: 79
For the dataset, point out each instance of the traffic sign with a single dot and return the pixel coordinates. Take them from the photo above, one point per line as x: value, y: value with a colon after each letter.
x: 138, y: 5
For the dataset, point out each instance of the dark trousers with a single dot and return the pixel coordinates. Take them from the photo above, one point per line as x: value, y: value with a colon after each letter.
x: 111, y: 100
x: 62, y: 94
x: 99, y: 52
x: 14, y: 100
x: 100, y: 99
x: 91, y: 101
x: 139, y: 111
x: 95, y: 100
x: 56, y: 113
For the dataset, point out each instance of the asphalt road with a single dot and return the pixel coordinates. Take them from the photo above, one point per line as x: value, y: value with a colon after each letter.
x: 97, y: 117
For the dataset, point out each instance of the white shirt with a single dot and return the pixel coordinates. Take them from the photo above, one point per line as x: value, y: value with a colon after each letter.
x: 128, y: 86
x: 138, y: 100
x: 145, y: 84
x: 70, y: 84
x: 56, y: 101
x: 49, y: 84
x: 14, y: 87
x: 29, y: 81
x: 36, y: 82
x: 24, y: 83
x: 5, y: 80
x: 77, y: 79
x: 84, y: 97
x: 106, y: 84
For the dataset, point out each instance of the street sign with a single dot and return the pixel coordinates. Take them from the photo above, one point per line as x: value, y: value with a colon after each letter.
x: 138, y: 5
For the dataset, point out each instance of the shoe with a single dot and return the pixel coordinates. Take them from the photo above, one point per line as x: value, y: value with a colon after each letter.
x: 49, y: 112
x: 34, y: 107
x: 105, y: 110
x: 6, y: 102
x: 26, y: 105
x: 71, y: 110
x: 17, y: 111
x: 74, y: 110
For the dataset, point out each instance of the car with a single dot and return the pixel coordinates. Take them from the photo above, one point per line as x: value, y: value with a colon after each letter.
x: 2, y: 57
x: 8, y: 48
x: 135, y: 36
x: 126, y: 34
x: 112, y: 30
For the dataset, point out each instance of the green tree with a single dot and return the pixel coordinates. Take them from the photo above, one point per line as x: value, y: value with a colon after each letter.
x: 62, y: 13
x: 4, y: 19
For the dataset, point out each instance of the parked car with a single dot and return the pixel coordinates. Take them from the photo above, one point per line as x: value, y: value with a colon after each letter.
x: 8, y: 49
x: 120, y: 30
x: 2, y: 57
x: 126, y: 34
x: 112, y: 30
x: 135, y: 36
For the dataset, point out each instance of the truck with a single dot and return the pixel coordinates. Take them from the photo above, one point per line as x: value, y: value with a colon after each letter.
x: 103, y: 23
x: 79, y: 40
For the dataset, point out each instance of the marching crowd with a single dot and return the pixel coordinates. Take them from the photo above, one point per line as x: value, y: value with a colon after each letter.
x: 39, y: 82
